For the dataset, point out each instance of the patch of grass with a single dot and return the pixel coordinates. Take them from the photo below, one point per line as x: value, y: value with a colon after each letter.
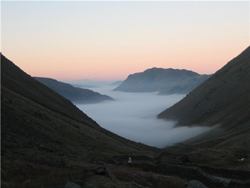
x: 22, y: 174
x: 148, y: 179
x: 161, y: 181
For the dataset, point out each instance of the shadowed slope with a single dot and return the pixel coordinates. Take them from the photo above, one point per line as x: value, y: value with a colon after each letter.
x: 74, y: 94
x: 14, y: 79
x: 222, y: 99
x: 40, y: 125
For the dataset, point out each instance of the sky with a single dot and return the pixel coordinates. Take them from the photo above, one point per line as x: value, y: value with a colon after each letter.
x: 109, y: 40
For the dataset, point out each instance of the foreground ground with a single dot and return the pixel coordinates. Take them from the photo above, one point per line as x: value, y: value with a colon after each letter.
x: 166, y: 170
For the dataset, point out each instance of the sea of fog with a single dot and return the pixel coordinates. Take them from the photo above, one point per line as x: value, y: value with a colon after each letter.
x: 134, y: 116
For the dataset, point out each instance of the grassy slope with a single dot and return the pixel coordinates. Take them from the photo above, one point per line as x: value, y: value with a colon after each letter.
x: 47, y: 141
x: 13, y: 78
x: 222, y: 99
x: 40, y: 127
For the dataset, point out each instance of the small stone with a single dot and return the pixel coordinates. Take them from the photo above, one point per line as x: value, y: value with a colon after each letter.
x: 101, y: 171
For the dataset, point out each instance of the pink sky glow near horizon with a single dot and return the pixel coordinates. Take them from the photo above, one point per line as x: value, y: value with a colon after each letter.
x: 110, y: 40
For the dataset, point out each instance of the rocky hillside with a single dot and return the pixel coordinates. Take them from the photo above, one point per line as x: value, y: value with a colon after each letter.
x: 35, y: 115
x: 223, y: 99
x: 166, y: 81
x: 41, y: 127
x: 74, y: 94
x: 47, y: 142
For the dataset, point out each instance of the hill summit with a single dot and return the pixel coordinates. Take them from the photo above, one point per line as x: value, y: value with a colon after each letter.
x: 165, y: 81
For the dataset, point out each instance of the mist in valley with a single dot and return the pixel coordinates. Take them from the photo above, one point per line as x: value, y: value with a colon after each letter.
x: 134, y: 116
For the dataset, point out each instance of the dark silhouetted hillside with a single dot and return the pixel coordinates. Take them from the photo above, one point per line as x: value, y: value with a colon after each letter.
x: 40, y: 126
x: 14, y: 79
x: 166, y: 81
x: 74, y: 94
x: 47, y: 142
x: 223, y: 99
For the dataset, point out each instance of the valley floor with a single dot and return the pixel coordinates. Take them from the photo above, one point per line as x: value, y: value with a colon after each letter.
x: 144, y: 172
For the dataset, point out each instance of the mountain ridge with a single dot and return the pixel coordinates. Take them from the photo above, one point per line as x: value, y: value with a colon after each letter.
x: 47, y: 142
x: 36, y: 118
x: 74, y: 94
x: 222, y: 101
x: 13, y: 78
x: 165, y: 81
x: 203, y: 98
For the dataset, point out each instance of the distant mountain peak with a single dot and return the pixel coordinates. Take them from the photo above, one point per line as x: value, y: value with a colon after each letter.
x: 74, y: 94
x: 166, y: 81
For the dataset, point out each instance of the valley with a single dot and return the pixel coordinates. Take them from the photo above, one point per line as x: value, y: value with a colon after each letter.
x: 133, y: 116
x: 125, y: 94
x: 44, y: 135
